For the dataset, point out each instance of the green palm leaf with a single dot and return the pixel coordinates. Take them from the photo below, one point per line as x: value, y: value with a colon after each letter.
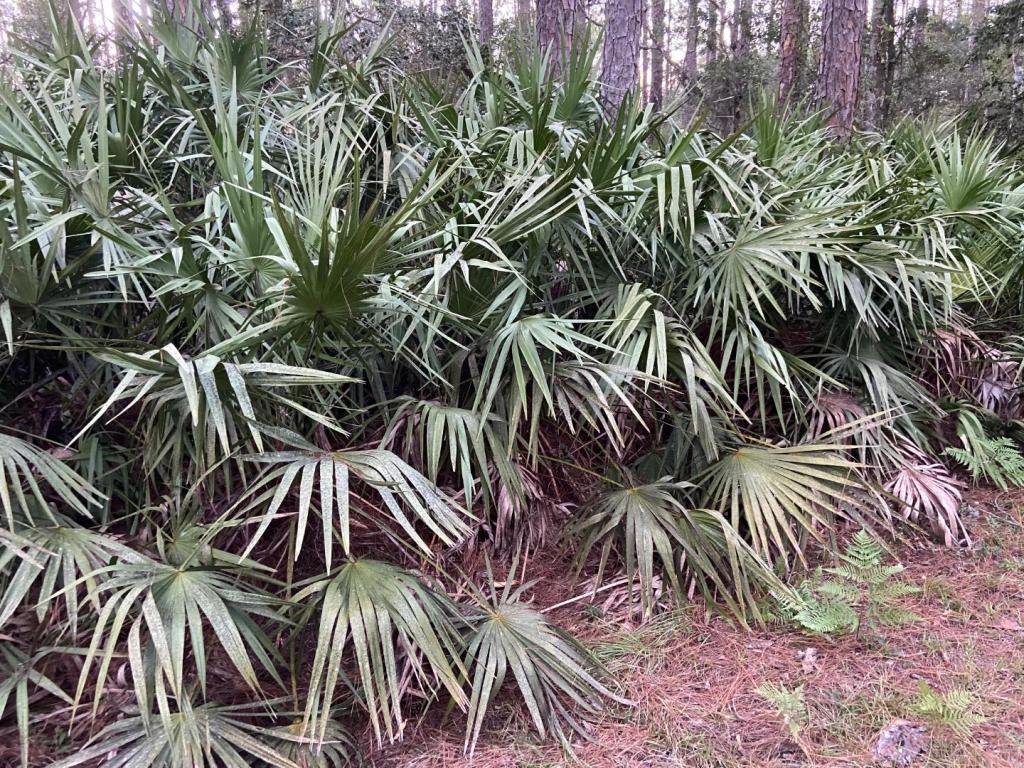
x: 22, y: 466
x: 162, y: 604
x: 399, y: 488
x: 207, y: 735
x: 558, y: 680
x: 650, y: 527
x: 391, y: 620
x: 780, y: 495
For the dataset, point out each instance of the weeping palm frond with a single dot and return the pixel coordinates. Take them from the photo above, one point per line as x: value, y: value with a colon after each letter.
x: 22, y: 466
x: 60, y: 558
x: 394, y: 623
x: 399, y: 488
x: 161, y: 604
x: 188, y: 736
x: 650, y: 525
x: 558, y: 680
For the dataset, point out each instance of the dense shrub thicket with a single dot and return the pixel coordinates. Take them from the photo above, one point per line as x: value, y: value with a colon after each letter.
x: 281, y: 350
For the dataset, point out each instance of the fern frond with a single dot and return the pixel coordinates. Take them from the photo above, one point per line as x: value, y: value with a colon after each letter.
x: 954, y: 709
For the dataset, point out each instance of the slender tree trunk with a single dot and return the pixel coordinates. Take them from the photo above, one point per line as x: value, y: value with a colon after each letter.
x: 692, y: 27
x: 712, y: 47
x: 979, y: 8
x: 657, y: 52
x: 724, y: 20
x: 842, y: 38
x: 621, y: 53
x: 883, y: 46
x: 486, y: 18
x: 792, y: 46
x: 524, y: 14
x: 645, y: 51
x: 743, y: 27
x: 920, y: 22
x: 558, y: 24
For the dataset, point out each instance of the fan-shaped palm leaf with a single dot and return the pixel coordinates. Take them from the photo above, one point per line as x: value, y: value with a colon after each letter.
x: 209, y: 735
x: 17, y: 670
x: 650, y: 522
x: 370, y: 606
x: 558, y: 680
x: 777, y: 495
x: 60, y: 558
x: 397, y: 485
x: 22, y: 466
x: 161, y: 605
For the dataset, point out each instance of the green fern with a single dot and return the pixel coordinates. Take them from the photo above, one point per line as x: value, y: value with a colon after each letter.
x: 789, y: 704
x: 864, y: 592
x: 953, y: 709
x: 994, y: 459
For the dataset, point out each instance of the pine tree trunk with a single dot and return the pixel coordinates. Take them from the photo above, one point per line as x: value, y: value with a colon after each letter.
x: 842, y: 38
x: 621, y: 53
x: 524, y: 14
x: 657, y: 52
x: 920, y: 23
x: 713, y: 36
x: 883, y: 45
x: 979, y: 8
x: 743, y: 28
x: 692, y: 27
x: 558, y: 24
x: 723, y: 22
x: 645, y: 51
x: 486, y: 18
x: 792, y: 46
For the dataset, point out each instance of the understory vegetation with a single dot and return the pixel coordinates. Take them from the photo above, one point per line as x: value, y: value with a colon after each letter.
x: 303, y: 363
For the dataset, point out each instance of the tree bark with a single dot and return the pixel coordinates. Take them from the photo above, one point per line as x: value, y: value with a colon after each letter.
x: 558, y: 25
x: 713, y: 35
x: 644, y: 78
x: 842, y: 39
x: 524, y: 14
x: 657, y: 52
x: 883, y: 44
x: 743, y: 28
x: 486, y: 19
x: 621, y: 52
x: 692, y: 28
x: 979, y: 9
x: 920, y: 23
x: 792, y: 46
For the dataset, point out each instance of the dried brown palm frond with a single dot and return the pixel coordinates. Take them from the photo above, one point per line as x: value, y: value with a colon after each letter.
x: 927, y: 494
x: 999, y: 385
x: 831, y: 411
x: 960, y: 364
x: 526, y: 514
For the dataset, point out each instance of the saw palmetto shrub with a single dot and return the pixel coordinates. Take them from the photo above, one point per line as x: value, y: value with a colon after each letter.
x: 282, y: 355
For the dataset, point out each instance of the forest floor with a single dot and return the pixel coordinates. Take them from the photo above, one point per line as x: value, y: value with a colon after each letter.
x: 694, y: 677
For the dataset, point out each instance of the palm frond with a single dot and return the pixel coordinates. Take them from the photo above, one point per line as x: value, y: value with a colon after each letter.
x: 394, y: 623
x: 781, y: 495
x: 558, y: 680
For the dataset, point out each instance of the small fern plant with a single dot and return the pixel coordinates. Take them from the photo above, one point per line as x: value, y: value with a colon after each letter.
x: 995, y: 459
x: 789, y: 704
x: 954, y: 709
x: 859, y: 592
